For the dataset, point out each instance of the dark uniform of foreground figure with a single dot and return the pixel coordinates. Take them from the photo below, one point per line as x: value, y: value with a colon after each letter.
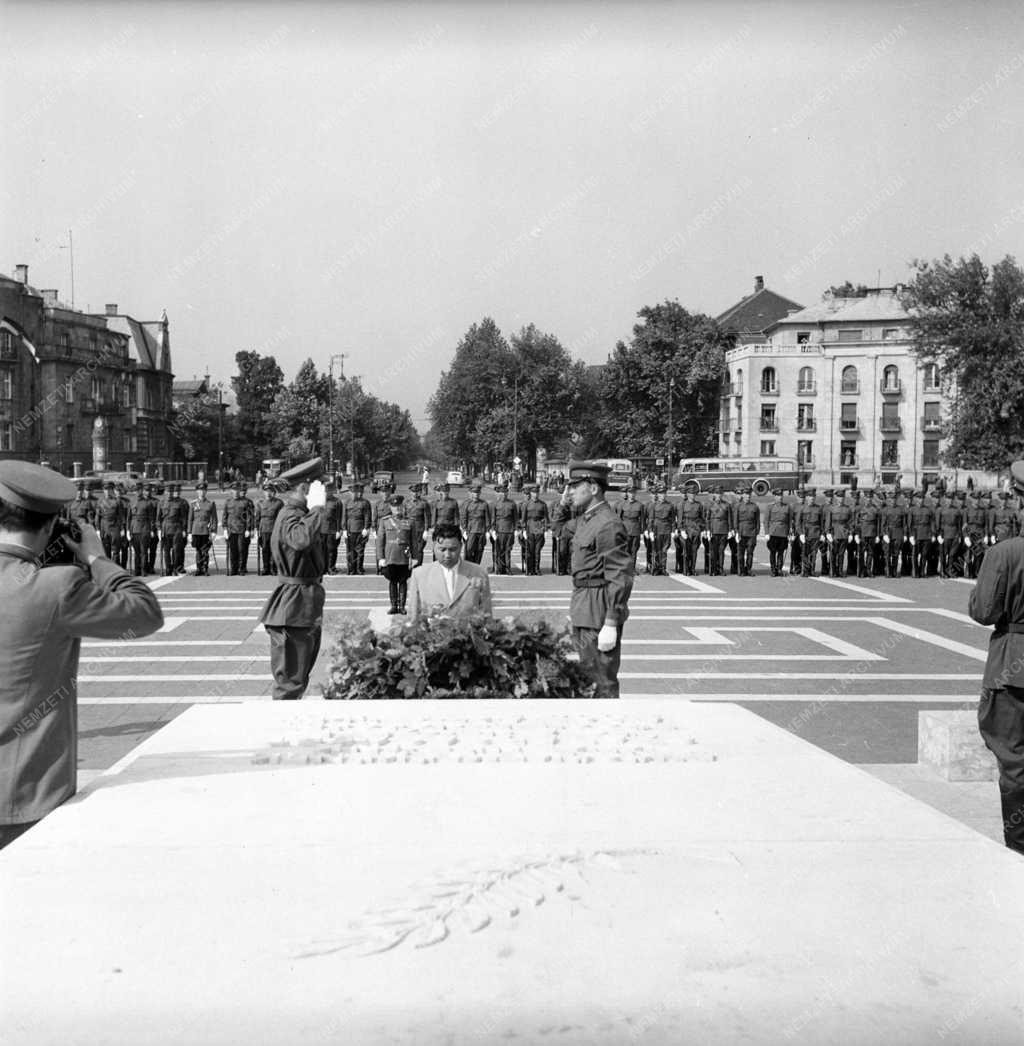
x: 44, y: 614
x: 475, y: 522
x: 778, y: 525
x: 838, y: 532
x: 561, y: 533
x: 505, y: 517
x: 746, y: 522
x: 602, y: 578
x: 266, y: 517
x: 238, y: 524
x: 533, y: 519
x: 293, y: 613
x: 173, y: 519
x: 634, y: 517
x: 111, y: 522
x: 998, y: 599
x: 358, y: 518
x: 394, y: 552
x: 690, y: 520
x: 202, y: 525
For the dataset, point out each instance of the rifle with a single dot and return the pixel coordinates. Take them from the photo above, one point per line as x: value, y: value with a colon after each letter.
x: 494, y: 568
x: 213, y: 552
x: 554, y: 553
x: 259, y: 555
x: 522, y: 550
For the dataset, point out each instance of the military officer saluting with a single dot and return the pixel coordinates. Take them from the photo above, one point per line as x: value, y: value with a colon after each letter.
x: 838, y: 531
x: 475, y: 522
x: 534, y: 521
x: 266, y: 515
x: 634, y: 517
x: 778, y: 526
x: 358, y: 518
x: 690, y: 521
x: 111, y: 522
x: 746, y: 523
x: 505, y: 521
x: 202, y: 525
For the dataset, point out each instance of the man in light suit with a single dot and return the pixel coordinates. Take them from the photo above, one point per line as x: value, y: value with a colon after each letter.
x: 450, y: 584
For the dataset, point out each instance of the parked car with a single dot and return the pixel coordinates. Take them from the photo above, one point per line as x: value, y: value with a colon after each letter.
x: 129, y: 479
x: 382, y: 480
x: 455, y: 478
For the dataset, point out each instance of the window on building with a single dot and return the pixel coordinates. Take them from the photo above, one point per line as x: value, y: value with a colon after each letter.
x: 725, y: 437
x: 803, y: 337
x: 767, y: 448
x: 850, y: 334
x: 890, y: 417
x: 891, y: 378
x: 805, y: 417
x: 69, y: 392
x: 849, y: 381
x: 847, y: 454
x: 64, y: 341
x: 6, y: 384
x: 890, y: 333
x: 930, y: 454
x: 95, y: 388
x: 768, y: 420
x: 805, y: 382
x: 848, y: 416
x: 890, y: 453
x: 932, y: 377
x: 805, y: 453
x: 8, y: 349
x: 6, y: 435
x: 768, y: 379
x: 93, y: 341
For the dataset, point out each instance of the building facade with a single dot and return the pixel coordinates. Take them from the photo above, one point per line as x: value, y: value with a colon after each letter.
x: 80, y: 391
x: 837, y: 387
x: 750, y: 319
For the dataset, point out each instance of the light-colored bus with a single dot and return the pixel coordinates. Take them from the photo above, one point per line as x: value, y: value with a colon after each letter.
x: 759, y: 474
x: 621, y: 473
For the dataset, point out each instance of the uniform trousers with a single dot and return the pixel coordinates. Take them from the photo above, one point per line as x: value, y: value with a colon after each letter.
x: 649, y: 554
x: 632, y: 547
x: 893, y: 557
x: 690, y: 546
x: 922, y: 548
x: 236, y: 561
x: 1001, y: 723
x: 949, y: 555
x: 838, y: 558
x: 267, y: 565
x: 355, y: 550
x: 975, y: 555
x: 796, y: 555
x: 777, y: 546
x: 293, y: 653
x: 809, y: 555
x: 503, y: 551
x: 112, y: 544
x: 866, y: 558
x: 564, y: 555
x: 201, y: 543
x: 747, y: 543
x: 661, y: 543
x: 534, y: 548
x: 174, y: 552
x: 718, y: 553
x: 734, y: 555
x: 140, y: 552
x: 154, y: 547
x: 475, y: 542
x: 601, y: 666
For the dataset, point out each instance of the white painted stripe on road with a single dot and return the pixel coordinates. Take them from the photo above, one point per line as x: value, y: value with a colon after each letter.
x: 885, y: 597
x: 840, y: 646
x: 179, y: 699
x: 695, y: 613
x: 965, y: 580
x: 169, y: 625
x: 208, y: 678
x: 834, y: 676
x: 746, y: 657
x: 162, y: 582
x: 932, y: 637
x: 697, y: 586
x: 955, y: 615
x: 115, y: 644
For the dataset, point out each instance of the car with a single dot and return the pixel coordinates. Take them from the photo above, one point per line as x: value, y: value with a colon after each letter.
x: 382, y: 480
x: 455, y: 478
x: 129, y: 479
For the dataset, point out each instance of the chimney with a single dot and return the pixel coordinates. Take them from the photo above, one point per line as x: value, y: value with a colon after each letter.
x: 111, y: 309
x: 758, y: 284
x: 49, y: 299
x: 21, y: 273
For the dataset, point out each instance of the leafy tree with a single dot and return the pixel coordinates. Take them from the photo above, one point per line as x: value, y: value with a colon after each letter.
x: 195, y: 427
x: 257, y: 383
x: 970, y: 321
x: 847, y: 290
x: 297, y: 410
x: 670, y: 343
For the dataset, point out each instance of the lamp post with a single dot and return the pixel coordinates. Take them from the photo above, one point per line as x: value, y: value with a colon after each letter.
x: 330, y: 412
x: 668, y: 459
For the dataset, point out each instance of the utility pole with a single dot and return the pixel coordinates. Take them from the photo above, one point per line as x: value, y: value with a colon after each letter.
x: 668, y: 460
x: 330, y: 414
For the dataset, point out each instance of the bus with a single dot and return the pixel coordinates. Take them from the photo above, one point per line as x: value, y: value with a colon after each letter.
x: 761, y: 475
x: 621, y: 474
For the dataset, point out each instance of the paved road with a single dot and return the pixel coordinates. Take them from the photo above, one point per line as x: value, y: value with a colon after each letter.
x: 846, y: 665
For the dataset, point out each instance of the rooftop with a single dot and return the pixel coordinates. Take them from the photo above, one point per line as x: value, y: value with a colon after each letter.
x: 881, y: 304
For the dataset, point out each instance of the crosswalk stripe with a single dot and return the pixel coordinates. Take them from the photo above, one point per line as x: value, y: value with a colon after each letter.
x: 933, y: 638
x: 835, y: 677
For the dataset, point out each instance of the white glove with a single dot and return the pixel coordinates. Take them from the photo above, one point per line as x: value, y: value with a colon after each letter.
x: 337, y: 535
x: 317, y: 496
x: 913, y: 541
x: 732, y: 534
x: 494, y: 535
x: 381, y: 562
x: 877, y: 540
x: 828, y: 538
x: 991, y: 539
x: 885, y: 539
x: 968, y: 542
x: 857, y: 539
x: 941, y: 539
x: 366, y: 533
x: 849, y: 539
x: 803, y: 539
x: 607, y: 638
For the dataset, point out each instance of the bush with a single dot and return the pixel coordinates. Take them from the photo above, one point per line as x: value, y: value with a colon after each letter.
x: 444, y: 657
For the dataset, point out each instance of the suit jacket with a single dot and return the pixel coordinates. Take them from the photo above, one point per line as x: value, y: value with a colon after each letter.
x: 472, y: 591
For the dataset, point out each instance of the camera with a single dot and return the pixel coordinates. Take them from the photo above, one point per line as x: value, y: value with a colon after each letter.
x: 57, y: 553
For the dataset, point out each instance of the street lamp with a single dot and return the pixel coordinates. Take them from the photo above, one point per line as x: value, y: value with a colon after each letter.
x: 671, y: 388
x: 330, y: 413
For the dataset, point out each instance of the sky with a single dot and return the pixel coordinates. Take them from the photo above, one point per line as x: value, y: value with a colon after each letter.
x: 304, y: 179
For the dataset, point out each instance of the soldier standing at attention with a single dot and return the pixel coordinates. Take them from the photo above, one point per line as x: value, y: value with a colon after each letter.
x: 172, y: 520
x: 949, y: 525
x: 394, y: 552
x: 142, y: 525
x: 266, y: 516
x: 746, y: 522
x: 82, y: 509
x: 691, y: 523
x: 420, y: 519
x: 358, y: 517
x: 719, y: 523
x: 111, y: 522
x: 330, y: 528
x: 561, y: 534
x: 868, y: 538
x: 475, y: 522
x: 236, y: 524
x: 446, y: 509
x: 922, y: 530
x: 809, y: 520
x: 778, y: 526
x: 202, y: 525
x: 126, y: 539
x: 293, y: 613
x: 505, y: 520
x: 601, y: 578
x: 1002, y: 521
x: 894, y: 535
x: 634, y: 519
x: 533, y: 519
x: 156, y: 545
x: 838, y: 531
x: 662, y: 523
x: 975, y: 535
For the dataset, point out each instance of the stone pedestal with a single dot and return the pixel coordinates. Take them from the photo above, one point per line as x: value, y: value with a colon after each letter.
x: 949, y: 743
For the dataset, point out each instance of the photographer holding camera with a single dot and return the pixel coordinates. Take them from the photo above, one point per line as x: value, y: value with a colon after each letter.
x: 50, y: 601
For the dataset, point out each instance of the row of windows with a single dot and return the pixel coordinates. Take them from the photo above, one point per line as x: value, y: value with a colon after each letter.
x: 848, y: 458
x: 848, y: 418
x: 849, y: 380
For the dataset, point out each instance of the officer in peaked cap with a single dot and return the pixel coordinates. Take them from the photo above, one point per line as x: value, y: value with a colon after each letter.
x: 998, y: 599
x: 293, y: 613
x: 476, y: 521
x: 395, y: 554
x: 420, y: 517
x: 504, y: 525
x: 534, y: 522
x: 202, y: 526
x: 44, y: 615
x: 602, y: 577
x: 356, y: 522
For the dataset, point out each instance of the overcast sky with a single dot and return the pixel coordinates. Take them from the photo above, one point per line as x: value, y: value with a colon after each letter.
x: 303, y: 179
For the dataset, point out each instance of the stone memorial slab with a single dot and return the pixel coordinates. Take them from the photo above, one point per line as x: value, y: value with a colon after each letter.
x: 494, y: 872
x: 949, y: 743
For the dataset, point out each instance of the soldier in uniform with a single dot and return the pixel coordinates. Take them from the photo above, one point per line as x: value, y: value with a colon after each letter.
x: 868, y: 537
x: 358, y: 518
x: 975, y: 535
x: 330, y: 528
x: 420, y: 519
x: 690, y: 521
x: 266, y: 516
x: 142, y: 526
x: 394, y: 552
x: 293, y: 613
x: 111, y: 522
x: 601, y: 576
x: 719, y: 523
x: 561, y: 534
x: 746, y: 524
x: 505, y: 523
x: 445, y: 509
x: 202, y: 525
x: 634, y: 518
x: 894, y: 535
x: 922, y: 531
x: 534, y: 522
x: 778, y: 526
x: 1002, y: 521
x: 238, y: 523
x: 172, y: 518
x: 949, y: 525
x: 838, y: 531
x: 810, y: 518
x: 156, y: 545
x: 661, y: 521
x: 82, y: 509
x: 475, y: 523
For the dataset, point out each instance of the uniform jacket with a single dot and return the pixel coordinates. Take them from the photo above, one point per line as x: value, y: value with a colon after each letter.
x: 428, y: 593
x: 239, y: 515
x: 533, y: 516
x: 44, y: 613
x: 81, y: 511
x: 869, y: 520
x: 838, y: 521
x: 333, y: 515
x: 476, y: 517
x: 142, y: 516
x: 691, y: 518
x: 381, y: 509
x: 110, y: 516
x: 394, y: 540
x: 173, y: 517
x: 922, y: 523
x: 358, y: 515
x: 661, y: 517
x: 1002, y: 523
x: 202, y: 517
x: 950, y: 523
x: 446, y: 511
x: 746, y: 519
x: 779, y: 520
x: 419, y: 513
x: 976, y: 522
x: 998, y: 599
x: 894, y: 521
x: 266, y: 514
x: 633, y: 515
x: 602, y: 569
x: 719, y: 518
x: 560, y: 516
x: 505, y: 516
x: 298, y: 599
x: 810, y: 520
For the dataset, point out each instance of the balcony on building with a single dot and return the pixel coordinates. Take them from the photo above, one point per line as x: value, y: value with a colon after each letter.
x: 807, y: 388
x: 890, y: 386
x: 849, y: 424
x: 806, y: 425
x: 849, y: 463
x: 850, y: 388
x: 100, y: 406
x: 890, y: 463
x: 890, y: 425
x: 769, y: 425
x: 929, y: 424
x: 770, y: 390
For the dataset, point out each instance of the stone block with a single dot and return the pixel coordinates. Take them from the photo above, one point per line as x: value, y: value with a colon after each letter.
x: 949, y: 743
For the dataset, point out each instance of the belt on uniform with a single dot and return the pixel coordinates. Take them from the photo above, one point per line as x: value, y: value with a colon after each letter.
x: 299, y: 580
x: 589, y: 582
x: 1017, y: 627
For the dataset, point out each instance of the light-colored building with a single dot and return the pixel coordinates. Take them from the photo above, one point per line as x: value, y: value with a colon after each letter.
x: 838, y: 387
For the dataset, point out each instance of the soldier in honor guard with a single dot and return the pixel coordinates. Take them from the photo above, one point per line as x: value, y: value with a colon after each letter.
x: 633, y: 514
x: 266, y: 516
x: 446, y: 508
x: 975, y: 535
x: 358, y: 519
x: 111, y: 522
x: 922, y: 532
x: 1002, y: 520
x: 719, y: 523
x: 505, y: 523
x: 330, y: 528
x: 746, y: 524
x: 293, y: 613
x: 172, y: 518
x: 690, y: 520
x: 661, y: 522
x: 778, y: 526
x: 82, y: 509
x: 895, y: 520
x: 868, y: 537
x: 420, y: 519
x: 142, y: 527
x: 238, y: 523
x: 156, y: 545
x: 838, y: 531
x: 561, y: 534
x: 395, y: 558
x: 949, y: 525
x: 202, y: 526
x: 475, y: 522
x: 808, y: 524
x: 126, y: 542
x: 534, y: 522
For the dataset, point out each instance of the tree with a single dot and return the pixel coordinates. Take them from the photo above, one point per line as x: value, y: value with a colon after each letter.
x: 298, y: 409
x: 257, y: 383
x: 847, y: 290
x: 970, y: 322
x: 670, y: 343
x: 195, y: 427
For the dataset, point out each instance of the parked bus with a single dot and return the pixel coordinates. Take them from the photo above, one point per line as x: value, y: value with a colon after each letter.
x: 621, y: 472
x: 759, y: 474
